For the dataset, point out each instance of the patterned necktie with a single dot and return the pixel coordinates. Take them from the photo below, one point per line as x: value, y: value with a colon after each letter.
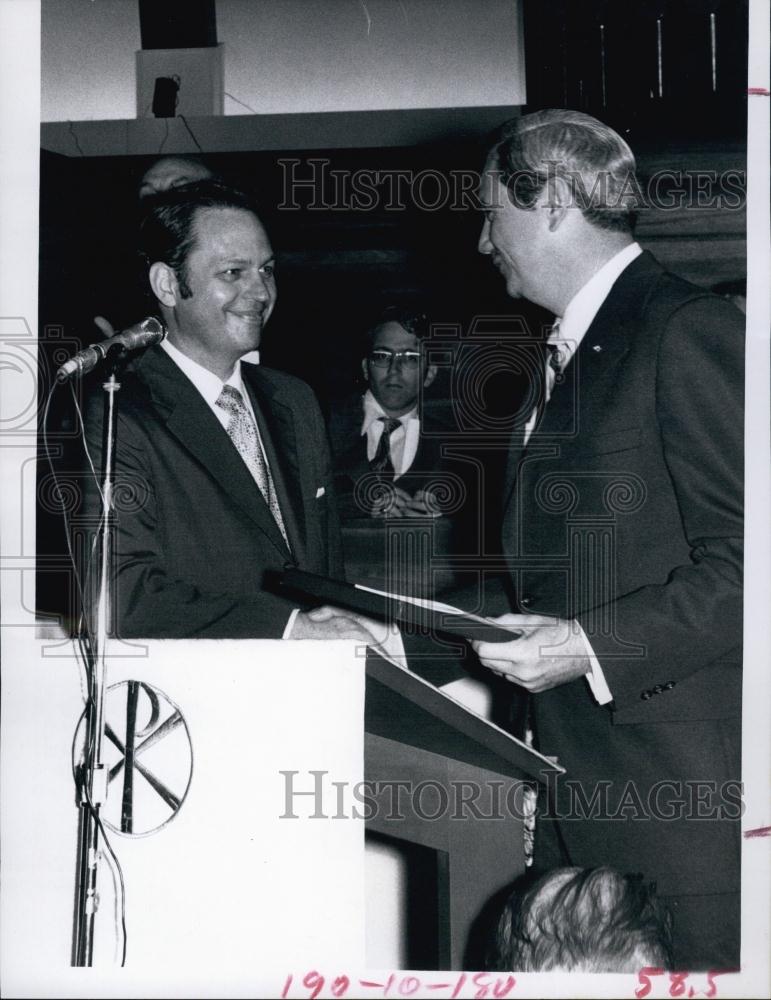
x: 243, y: 434
x: 381, y: 461
x: 552, y: 375
x: 554, y: 359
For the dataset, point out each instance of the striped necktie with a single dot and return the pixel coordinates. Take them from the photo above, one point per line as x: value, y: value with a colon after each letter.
x: 381, y: 462
x: 243, y: 434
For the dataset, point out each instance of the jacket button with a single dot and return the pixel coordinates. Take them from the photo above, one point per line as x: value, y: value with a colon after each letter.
x: 657, y: 689
x: 527, y: 601
x: 669, y: 685
x: 645, y: 695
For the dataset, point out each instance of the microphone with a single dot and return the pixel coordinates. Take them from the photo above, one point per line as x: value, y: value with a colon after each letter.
x: 150, y: 331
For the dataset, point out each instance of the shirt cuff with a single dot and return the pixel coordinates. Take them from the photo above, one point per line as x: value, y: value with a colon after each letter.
x: 290, y: 624
x: 595, y: 676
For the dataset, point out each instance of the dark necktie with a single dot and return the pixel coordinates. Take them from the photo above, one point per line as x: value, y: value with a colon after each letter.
x: 243, y: 434
x: 381, y: 461
x: 552, y: 375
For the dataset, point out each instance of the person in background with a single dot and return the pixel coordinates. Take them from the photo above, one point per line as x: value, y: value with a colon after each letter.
x: 172, y: 172
x: 583, y: 920
x: 384, y: 435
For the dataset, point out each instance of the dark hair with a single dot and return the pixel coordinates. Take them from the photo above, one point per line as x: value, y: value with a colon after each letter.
x: 586, y: 920
x: 596, y: 162
x: 409, y: 317
x: 191, y: 161
x: 167, y: 230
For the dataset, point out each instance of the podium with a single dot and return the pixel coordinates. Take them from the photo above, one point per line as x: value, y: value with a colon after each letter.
x: 233, y: 811
x: 463, y: 783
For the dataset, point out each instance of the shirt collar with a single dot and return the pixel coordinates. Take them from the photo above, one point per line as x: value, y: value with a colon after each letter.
x: 207, y: 383
x: 585, y: 304
x: 373, y: 411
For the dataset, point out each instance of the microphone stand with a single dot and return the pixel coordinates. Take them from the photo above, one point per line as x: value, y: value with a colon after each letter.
x: 93, y: 785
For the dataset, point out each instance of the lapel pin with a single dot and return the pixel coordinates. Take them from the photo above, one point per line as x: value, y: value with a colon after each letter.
x: 596, y: 347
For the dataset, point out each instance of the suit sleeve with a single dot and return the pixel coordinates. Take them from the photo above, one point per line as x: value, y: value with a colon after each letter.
x: 695, y: 617
x: 334, y: 545
x: 147, y: 600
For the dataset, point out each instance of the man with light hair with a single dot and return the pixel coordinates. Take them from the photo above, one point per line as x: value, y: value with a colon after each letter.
x: 623, y: 531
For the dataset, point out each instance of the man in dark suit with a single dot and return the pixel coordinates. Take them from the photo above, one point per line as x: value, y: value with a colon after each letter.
x: 222, y: 469
x: 623, y: 531
x: 384, y: 433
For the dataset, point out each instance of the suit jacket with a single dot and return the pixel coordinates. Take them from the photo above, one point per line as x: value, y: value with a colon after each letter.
x: 625, y: 511
x: 195, y: 542
x: 350, y: 462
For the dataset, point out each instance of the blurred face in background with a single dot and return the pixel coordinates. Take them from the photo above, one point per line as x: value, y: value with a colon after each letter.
x: 170, y: 172
x: 396, y: 368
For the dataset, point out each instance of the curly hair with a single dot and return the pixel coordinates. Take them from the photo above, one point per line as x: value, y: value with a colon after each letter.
x: 585, y: 920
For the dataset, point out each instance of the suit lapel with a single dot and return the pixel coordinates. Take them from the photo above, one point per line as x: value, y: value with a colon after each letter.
x: 188, y: 417
x: 599, y: 359
x: 279, y: 437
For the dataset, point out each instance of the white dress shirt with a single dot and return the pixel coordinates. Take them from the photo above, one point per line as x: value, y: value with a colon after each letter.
x: 404, y: 440
x: 570, y: 329
x: 210, y: 385
x: 568, y: 332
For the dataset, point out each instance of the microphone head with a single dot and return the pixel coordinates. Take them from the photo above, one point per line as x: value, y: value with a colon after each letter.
x: 151, y: 324
x: 145, y: 334
x: 150, y: 327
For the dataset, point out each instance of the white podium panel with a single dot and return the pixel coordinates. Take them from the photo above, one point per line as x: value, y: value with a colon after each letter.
x: 232, y: 874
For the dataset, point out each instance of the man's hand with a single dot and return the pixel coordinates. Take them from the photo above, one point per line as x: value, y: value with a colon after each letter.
x: 327, y: 622
x: 549, y: 652
x: 396, y: 502
x: 390, y: 502
x: 105, y: 326
x: 423, y: 504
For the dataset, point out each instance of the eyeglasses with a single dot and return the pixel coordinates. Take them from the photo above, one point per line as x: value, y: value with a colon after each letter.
x: 384, y: 359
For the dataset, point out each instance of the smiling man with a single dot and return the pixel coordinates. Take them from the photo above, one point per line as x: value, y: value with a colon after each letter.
x: 623, y: 530
x: 224, y: 463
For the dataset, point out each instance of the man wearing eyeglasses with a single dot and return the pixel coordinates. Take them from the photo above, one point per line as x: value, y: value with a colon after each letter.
x: 391, y: 447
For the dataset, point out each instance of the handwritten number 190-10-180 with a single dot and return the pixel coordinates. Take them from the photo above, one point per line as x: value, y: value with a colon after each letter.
x: 480, y: 986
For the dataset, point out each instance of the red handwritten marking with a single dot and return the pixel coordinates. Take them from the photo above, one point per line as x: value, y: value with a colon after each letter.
x: 502, y: 989
x: 643, y: 977
x: 438, y: 986
x: 678, y: 982
x: 761, y: 831
x: 340, y: 985
x: 758, y: 92
x: 314, y: 982
x: 458, y: 986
